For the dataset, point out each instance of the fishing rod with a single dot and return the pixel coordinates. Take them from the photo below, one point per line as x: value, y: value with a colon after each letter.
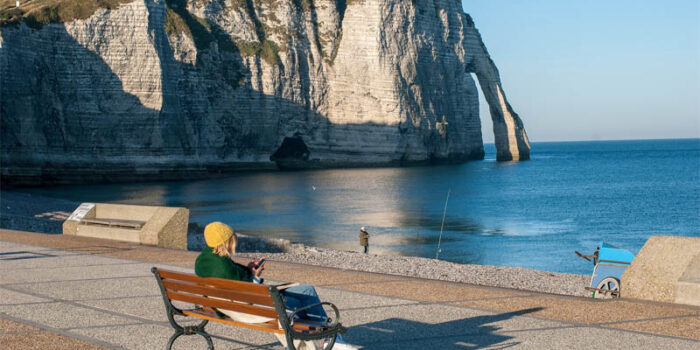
x: 437, y: 254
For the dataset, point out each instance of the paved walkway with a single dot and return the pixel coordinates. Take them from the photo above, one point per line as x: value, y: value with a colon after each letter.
x: 64, y: 292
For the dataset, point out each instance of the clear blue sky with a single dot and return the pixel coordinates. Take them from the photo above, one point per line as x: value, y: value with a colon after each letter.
x: 595, y: 70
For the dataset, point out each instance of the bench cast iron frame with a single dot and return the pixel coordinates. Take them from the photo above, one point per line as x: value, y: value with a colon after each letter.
x: 330, y: 331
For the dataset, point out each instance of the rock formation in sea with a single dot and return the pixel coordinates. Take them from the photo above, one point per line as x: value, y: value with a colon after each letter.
x: 153, y: 89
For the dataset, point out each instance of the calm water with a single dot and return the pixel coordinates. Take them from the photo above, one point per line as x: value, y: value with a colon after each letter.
x: 571, y: 195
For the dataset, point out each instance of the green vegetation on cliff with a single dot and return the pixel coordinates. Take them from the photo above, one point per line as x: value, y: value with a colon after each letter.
x: 36, y: 13
x: 175, y: 24
x: 268, y: 50
x: 178, y: 20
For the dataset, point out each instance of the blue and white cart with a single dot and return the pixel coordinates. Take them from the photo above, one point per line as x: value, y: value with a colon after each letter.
x: 609, y: 263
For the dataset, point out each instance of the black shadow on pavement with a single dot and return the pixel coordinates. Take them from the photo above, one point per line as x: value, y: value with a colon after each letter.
x: 469, y: 333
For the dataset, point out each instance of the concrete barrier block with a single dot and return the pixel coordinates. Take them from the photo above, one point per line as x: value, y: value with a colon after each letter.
x: 85, y: 210
x: 70, y: 227
x: 159, y: 226
x: 123, y: 211
x: 664, y: 270
x: 167, y: 228
x: 688, y: 287
x: 106, y: 232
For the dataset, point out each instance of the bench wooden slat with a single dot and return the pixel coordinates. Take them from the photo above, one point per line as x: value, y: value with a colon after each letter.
x: 223, y: 304
x: 191, y: 287
x: 272, y: 326
x: 267, y: 327
x: 306, y: 325
x: 218, y: 282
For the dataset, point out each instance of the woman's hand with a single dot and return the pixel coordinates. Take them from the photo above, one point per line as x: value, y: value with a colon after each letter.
x: 256, y: 267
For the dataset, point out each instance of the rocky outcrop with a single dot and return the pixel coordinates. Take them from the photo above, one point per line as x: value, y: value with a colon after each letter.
x: 172, y: 89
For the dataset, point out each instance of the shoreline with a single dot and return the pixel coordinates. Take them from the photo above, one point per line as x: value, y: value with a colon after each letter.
x: 408, y: 266
x: 276, y: 249
x: 28, y: 212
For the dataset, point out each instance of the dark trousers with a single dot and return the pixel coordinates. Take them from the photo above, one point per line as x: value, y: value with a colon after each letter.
x: 366, y: 248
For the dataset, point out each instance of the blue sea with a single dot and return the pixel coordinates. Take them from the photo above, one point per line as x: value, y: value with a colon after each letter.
x: 569, y: 196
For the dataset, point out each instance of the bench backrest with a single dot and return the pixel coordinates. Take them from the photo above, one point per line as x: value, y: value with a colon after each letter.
x: 246, y: 297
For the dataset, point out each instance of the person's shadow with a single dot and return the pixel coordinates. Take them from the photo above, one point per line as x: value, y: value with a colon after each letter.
x: 469, y: 333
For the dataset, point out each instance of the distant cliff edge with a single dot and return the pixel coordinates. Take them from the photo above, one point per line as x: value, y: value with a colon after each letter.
x: 120, y: 90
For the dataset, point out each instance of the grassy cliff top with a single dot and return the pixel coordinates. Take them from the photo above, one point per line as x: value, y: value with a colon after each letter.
x: 36, y: 13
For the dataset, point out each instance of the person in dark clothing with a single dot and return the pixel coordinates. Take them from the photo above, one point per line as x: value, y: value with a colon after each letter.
x: 210, y: 263
x: 364, y: 239
x: 216, y: 260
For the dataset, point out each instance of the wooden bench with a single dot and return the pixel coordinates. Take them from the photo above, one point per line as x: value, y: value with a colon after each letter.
x: 249, y: 298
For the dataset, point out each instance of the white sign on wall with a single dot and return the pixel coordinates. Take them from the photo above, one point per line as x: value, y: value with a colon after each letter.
x: 81, y: 211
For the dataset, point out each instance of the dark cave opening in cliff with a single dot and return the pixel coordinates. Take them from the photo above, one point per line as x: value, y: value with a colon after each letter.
x: 291, y: 149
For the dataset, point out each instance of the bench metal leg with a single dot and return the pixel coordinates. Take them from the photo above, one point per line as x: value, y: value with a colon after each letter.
x: 190, y: 330
x: 331, y: 342
x: 208, y: 338
x: 172, y: 311
x: 290, y: 341
x: 172, y: 339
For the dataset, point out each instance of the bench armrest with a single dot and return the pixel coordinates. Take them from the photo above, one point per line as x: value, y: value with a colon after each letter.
x: 328, y: 321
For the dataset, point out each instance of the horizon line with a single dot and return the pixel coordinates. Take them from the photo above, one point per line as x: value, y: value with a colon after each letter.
x: 606, y: 140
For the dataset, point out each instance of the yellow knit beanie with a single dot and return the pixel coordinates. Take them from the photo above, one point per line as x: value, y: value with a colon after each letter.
x: 216, y: 233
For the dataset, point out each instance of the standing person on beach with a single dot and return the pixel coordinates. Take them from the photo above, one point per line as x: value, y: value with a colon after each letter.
x: 364, y: 239
x: 216, y: 260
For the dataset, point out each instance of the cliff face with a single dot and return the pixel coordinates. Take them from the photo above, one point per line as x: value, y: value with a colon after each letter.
x: 157, y: 89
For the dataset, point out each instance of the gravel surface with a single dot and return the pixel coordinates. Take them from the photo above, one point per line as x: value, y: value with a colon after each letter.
x: 16, y: 206
x: 495, y: 276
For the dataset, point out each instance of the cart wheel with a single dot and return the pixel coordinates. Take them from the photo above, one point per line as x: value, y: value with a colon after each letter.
x: 610, y: 284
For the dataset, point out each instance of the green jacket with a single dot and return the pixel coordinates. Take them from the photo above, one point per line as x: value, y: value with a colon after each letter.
x: 209, y: 264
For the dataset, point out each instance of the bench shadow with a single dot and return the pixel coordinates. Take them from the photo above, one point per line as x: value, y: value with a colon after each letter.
x: 468, y: 333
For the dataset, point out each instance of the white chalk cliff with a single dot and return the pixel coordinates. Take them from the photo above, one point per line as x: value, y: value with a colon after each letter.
x: 169, y: 89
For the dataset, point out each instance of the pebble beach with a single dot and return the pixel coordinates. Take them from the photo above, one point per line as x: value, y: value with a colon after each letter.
x: 484, y: 275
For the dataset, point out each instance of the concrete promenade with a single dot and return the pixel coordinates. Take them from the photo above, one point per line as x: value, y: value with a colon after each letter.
x: 68, y: 292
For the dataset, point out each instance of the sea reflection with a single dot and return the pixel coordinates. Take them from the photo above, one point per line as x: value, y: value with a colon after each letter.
x: 401, y: 207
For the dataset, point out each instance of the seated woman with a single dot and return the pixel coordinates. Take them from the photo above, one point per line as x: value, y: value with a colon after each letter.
x: 216, y: 260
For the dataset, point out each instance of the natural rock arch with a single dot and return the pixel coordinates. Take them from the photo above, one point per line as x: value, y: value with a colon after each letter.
x: 511, y: 139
